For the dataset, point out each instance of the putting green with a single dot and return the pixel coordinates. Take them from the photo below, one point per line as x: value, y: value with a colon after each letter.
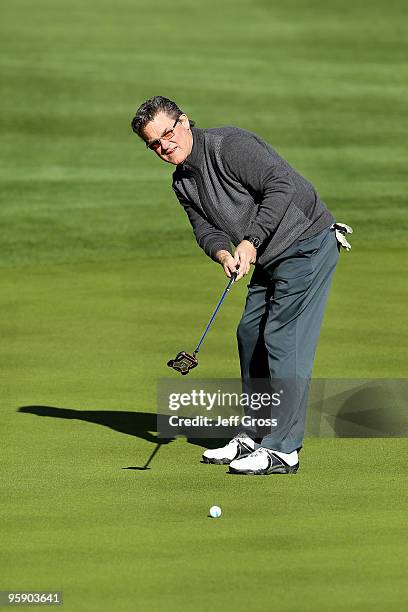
x: 84, y: 347
x: 101, y: 282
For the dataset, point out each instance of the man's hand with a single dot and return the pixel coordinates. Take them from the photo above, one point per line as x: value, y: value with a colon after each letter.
x: 227, y: 261
x: 244, y: 256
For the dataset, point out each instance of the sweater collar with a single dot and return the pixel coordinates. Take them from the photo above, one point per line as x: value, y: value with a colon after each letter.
x: 195, y: 157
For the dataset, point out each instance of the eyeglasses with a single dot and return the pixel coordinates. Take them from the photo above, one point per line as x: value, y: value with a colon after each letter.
x: 166, y: 136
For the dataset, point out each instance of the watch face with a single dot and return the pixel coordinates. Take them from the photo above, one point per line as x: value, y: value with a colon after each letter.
x: 253, y: 240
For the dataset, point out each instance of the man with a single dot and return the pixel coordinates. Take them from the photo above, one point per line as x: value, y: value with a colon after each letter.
x: 235, y: 188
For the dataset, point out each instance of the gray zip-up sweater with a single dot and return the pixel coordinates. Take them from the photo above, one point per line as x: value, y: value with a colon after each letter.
x: 234, y: 184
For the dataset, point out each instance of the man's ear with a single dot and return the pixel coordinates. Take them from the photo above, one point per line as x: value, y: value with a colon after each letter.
x: 184, y: 120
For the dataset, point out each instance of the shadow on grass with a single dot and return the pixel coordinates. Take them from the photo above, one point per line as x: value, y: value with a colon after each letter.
x: 139, y: 424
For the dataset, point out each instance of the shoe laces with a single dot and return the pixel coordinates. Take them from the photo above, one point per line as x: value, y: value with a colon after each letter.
x: 240, y: 436
x: 258, y: 452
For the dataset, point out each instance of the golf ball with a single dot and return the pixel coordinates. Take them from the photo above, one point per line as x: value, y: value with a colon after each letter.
x: 215, y: 511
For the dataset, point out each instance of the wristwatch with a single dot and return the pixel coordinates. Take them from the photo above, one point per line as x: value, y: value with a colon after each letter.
x: 254, y: 240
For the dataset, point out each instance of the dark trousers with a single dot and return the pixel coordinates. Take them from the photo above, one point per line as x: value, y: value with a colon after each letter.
x: 279, y: 329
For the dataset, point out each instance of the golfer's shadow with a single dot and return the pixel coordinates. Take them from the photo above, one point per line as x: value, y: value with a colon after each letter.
x: 138, y: 424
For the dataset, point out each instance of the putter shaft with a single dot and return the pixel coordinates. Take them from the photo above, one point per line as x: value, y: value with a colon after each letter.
x: 222, y: 298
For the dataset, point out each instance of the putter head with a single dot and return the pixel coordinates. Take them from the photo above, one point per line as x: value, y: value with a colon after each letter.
x: 183, y: 362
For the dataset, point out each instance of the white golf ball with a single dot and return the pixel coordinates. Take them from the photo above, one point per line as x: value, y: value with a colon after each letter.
x: 215, y: 511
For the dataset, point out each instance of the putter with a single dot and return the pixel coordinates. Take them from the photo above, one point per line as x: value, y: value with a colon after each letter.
x: 184, y: 362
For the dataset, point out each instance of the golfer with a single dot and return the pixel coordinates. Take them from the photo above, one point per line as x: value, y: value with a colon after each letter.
x: 235, y: 188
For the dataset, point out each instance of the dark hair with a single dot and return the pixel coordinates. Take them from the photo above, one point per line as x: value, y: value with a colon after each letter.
x: 149, y: 109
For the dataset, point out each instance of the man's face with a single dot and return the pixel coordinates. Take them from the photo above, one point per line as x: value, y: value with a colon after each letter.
x: 175, y: 149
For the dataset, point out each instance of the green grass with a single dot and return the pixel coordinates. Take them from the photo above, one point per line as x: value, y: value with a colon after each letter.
x: 100, y: 283
x: 125, y: 539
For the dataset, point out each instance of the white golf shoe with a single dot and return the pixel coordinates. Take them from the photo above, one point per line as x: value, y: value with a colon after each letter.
x: 240, y: 446
x: 266, y: 461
